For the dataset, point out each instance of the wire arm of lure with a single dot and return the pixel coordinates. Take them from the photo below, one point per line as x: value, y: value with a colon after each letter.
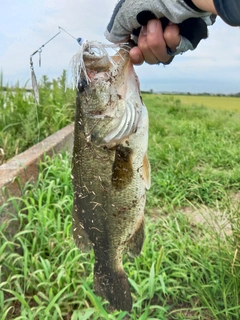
x: 79, y: 40
x: 39, y: 51
x: 33, y: 76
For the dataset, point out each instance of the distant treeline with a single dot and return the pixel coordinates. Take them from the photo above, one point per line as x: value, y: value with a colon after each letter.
x: 193, y: 94
x: 149, y: 92
x: 14, y: 89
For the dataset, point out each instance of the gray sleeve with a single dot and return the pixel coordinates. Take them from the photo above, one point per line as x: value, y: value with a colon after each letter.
x: 229, y: 11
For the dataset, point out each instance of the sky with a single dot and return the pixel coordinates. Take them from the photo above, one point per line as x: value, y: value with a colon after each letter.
x: 214, y: 67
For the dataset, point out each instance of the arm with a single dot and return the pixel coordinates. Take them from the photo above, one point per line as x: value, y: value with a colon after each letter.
x: 228, y: 10
x: 205, y: 5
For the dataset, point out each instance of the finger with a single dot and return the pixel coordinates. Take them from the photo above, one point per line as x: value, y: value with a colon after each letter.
x: 172, y: 36
x: 136, y: 56
x: 152, y: 44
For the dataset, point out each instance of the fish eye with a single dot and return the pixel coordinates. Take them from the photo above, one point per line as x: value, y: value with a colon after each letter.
x: 82, y: 85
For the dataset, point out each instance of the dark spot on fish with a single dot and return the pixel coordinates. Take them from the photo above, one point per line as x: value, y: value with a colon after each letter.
x: 134, y: 202
x: 123, y: 209
x: 97, y: 113
x: 82, y: 85
x: 122, y: 170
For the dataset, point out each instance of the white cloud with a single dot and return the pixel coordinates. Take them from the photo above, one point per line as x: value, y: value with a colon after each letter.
x: 26, y: 25
x: 31, y: 24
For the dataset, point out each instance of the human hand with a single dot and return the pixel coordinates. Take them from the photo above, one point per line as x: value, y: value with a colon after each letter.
x: 183, y: 30
x: 153, y: 41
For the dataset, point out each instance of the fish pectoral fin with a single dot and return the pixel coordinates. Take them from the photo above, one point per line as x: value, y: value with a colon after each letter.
x: 146, y: 171
x: 122, y: 170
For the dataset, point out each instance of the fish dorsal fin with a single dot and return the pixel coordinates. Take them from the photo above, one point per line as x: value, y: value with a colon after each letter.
x: 146, y: 171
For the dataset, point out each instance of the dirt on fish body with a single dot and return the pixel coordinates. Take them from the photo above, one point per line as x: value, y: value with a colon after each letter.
x: 110, y: 168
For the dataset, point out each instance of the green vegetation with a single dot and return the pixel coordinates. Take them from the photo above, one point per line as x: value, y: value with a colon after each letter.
x: 185, y: 271
x: 194, y: 153
x: 217, y: 102
x: 23, y: 123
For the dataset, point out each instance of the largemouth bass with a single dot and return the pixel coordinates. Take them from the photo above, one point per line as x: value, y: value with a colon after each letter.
x: 110, y: 168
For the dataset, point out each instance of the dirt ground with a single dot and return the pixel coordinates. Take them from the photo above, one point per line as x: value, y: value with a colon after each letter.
x: 216, y: 219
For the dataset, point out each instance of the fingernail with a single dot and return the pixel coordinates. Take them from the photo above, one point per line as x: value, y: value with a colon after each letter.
x: 144, y: 30
x: 152, y: 25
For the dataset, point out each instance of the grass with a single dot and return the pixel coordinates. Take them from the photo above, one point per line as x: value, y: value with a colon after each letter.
x: 23, y: 123
x: 194, y: 153
x: 214, y: 102
x: 185, y: 271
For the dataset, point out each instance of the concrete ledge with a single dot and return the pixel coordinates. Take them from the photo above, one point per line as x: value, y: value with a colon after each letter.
x: 23, y: 168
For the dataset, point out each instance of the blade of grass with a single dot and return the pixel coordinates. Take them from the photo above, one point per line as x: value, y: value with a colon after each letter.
x: 55, y: 298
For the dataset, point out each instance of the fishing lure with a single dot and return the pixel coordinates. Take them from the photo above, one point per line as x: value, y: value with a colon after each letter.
x: 80, y: 41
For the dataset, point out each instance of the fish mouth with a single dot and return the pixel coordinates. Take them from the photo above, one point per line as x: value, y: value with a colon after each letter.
x: 93, y: 61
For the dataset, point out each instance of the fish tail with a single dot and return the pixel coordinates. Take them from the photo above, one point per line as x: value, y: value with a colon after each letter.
x: 113, y: 286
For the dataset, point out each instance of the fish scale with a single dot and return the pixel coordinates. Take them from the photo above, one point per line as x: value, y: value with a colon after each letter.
x: 110, y: 177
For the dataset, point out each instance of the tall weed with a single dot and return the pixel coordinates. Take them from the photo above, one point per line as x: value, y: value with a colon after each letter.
x: 23, y: 123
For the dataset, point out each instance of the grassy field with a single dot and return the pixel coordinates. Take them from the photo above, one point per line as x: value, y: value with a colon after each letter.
x: 214, y: 102
x: 23, y: 123
x: 185, y: 271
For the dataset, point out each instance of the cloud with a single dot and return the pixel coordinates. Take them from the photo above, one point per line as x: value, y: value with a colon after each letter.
x: 26, y: 25
x: 31, y: 24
